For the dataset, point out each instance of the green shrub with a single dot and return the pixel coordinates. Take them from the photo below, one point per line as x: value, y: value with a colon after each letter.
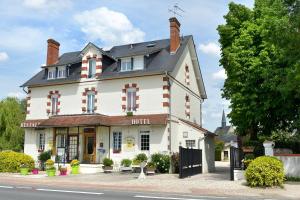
x: 141, y: 157
x: 75, y: 163
x: 265, y: 171
x: 11, y: 161
x: 126, y: 162
x: 161, y: 161
x: 44, y: 156
x: 108, y: 162
x: 218, y: 155
x: 175, y: 162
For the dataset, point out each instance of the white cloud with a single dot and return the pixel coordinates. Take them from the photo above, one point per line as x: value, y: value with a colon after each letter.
x: 111, y: 27
x: 47, y: 5
x: 211, y: 48
x: 3, y: 56
x: 219, y: 75
x: 18, y: 95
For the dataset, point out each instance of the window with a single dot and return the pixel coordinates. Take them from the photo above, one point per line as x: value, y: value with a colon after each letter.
x: 126, y: 64
x: 92, y: 68
x: 138, y: 63
x: 190, y: 143
x: 61, y: 72
x: 131, y: 99
x: 61, y: 141
x: 185, y: 134
x: 117, y: 142
x: 145, y: 140
x: 225, y: 155
x: 90, y: 102
x: 41, y: 141
x: 54, y: 102
x: 51, y: 74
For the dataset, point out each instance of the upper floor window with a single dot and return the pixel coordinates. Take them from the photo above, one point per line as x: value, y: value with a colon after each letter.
x: 90, y: 102
x: 126, y: 64
x: 61, y: 72
x: 54, y: 103
x: 117, y: 142
x: 92, y: 68
x: 41, y: 141
x: 131, y: 99
x: 134, y: 63
x: 51, y: 74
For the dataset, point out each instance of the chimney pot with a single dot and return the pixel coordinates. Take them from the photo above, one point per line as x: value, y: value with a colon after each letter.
x: 174, y: 35
x: 52, y: 52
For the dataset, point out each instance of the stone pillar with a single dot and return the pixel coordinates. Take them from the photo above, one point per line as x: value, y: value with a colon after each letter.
x: 269, y: 148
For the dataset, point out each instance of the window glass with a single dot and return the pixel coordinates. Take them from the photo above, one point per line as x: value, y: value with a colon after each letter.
x: 41, y: 141
x: 92, y: 68
x: 51, y: 74
x: 90, y: 102
x: 126, y: 64
x: 190, y: 143
x: 131, y: 99
x: 54, y: 101
x: 61, y: 141
x: 145, y: 140
x: 117, y: 142
x: 61, y: 73
x: 138, y: 63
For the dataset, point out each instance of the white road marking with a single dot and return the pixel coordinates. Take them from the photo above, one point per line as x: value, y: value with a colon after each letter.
x: 8, y: 187
x: 24, y: 187
x: 68, y: 191
x: 214, y: 197
x: 171, y: 198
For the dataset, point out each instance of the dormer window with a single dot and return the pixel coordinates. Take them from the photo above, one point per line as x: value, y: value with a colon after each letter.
x: 92, y: 68
x: 61, y: 72
x: 126, y: 64
x: 133, y: 63
x: 51, y: 73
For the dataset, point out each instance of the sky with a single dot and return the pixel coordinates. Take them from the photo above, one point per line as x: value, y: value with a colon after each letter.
x: 26, y: 25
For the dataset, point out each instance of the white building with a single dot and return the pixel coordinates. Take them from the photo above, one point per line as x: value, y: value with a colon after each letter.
x: 143, y: 97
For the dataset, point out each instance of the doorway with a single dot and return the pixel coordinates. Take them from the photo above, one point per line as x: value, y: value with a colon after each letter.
x: 89, y: 154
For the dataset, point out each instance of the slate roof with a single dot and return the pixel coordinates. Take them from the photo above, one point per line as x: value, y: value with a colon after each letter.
x: 225, y: 134
x: 158, y: 60
x: 197, y: 126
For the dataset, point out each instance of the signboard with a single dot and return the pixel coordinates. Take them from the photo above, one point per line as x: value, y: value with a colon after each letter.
x: 129, y: 143
x: 140, y: 121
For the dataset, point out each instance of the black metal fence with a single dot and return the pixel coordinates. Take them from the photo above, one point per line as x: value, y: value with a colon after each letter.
x: 190, y: 162
x: 236, y: 157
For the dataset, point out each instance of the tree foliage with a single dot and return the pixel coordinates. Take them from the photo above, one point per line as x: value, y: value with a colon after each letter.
x: 12, y: 113
x: 260, y: 54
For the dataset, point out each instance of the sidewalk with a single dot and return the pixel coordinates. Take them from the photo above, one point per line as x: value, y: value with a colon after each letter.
x: 217, y: 184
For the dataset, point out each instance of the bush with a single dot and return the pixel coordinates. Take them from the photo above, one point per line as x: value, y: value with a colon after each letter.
x: 175, y: 162
x: 141, y: 157
x: 265, y: 171
x: 126, y: 162
x: 75, y: 163
x: 218, y: 155
x: 161, y: 161
x: 44, y: 156
x: 11, y: 161
x: 108, y: 162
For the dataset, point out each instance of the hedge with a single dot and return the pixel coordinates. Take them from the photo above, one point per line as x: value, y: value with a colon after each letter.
x: 11, y: 161
x: 265, y: 171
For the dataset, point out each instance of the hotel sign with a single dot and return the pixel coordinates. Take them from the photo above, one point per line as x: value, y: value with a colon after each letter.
x: 145, y: 121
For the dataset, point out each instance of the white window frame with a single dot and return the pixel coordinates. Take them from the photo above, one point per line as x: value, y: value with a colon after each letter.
x: 138, y: 63
x: 117, y: 141
x: 41, y: 141
x: 61, y: 72
x: 90, y: 107
x: 145, y: 133
x: 126, y: 64
x: 190, y: 144
x: 131, y: 99
x: 51, y: 74
x: 91, y: 68
x: 54, y: 104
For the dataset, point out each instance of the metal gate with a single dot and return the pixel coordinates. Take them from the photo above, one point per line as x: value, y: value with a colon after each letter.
x: 236, y: 157
x: 190, y: 162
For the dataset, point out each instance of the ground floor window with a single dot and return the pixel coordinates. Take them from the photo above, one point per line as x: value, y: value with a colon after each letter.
x: 117, y: 142
x: 72, y: 148
x: 41, y: 141
x: 225, y: 155
x: 145, y: 140
x: 190, y: 143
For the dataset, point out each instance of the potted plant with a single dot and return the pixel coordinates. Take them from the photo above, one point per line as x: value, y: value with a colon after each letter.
x: 35, y: 170
x: 24, y: 169
x: 50, y: 169
x: 63, y: 170
x: 129, y: 113
x: 75, y: 166
x: 126, y: 165
x: 107, y: 165
x: 139, y: 158
x: 43, y: 157
x: 150, y: 168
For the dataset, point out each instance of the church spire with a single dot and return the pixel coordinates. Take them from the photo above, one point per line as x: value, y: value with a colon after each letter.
x: 223, y: 123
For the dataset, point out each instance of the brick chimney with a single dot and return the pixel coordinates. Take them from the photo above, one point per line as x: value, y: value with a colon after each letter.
x: 174, y: 35
x: 52, y: 52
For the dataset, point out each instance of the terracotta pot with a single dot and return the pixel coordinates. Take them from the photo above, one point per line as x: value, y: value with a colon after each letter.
x: 35, y: 171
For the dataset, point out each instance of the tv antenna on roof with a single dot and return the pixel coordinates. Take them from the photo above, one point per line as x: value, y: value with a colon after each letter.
x: 176, y: 10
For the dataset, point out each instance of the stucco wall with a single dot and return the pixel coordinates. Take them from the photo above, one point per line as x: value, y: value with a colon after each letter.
x: 291, y: 165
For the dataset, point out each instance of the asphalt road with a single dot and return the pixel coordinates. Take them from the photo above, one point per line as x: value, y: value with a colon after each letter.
x: 43, y: 193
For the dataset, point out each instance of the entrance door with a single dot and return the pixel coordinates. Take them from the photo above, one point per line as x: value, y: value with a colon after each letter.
x: 72, y: 147
x: 89, y: 148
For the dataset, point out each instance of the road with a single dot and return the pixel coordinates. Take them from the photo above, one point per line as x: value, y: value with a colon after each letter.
x: 8, y: 192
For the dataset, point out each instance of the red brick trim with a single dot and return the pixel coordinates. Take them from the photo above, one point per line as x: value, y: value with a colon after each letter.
x: 137, y: 97
x: 126, y: 86
x: 28, y: 98
x: 166, y: 95
x: 83, y: 101
x: 98, y: 67
x: 83, y: 76
x: 166, y: 104
x: 123, y: 107
x: 48, y: 103
x: 166, y: 87
x: 123, y: 98
x: 84, y: 94
x: 98, y: 59
x: 28, y: 104
x: 94, y: 55
x: 28, y: 112
x: 165, y: 78
x: 84, y: 68
x: 84, y: 61
x: 133, y: 85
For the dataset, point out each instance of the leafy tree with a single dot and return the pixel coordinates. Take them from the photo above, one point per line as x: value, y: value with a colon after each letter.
x: 258, y: 55
x: 12, y: 113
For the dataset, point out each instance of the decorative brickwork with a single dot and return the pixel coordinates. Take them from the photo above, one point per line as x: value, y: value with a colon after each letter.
x: 28, y: 98
x: 84, y: 98
x: 166, y: 92
x: 124, y: 96
x: 49, y: 102
x: 187, y: 75
x: 187, y: 107
x: 85, y: 65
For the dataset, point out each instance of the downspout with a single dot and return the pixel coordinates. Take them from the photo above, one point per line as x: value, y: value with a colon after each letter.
x: 24, y: 90
x: 109, y: 142
x: 170, y: 123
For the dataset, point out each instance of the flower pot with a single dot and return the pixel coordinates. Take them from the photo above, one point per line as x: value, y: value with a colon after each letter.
x: 63, y: 173
x: 107, y: 169
x: 150, y: 170
x: 51, y: 172
x: 35, y: 171
x: 24, y: 171
x: 75, y: 169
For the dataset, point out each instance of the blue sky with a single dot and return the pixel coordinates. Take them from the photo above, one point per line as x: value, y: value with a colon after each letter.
x: 25, y: 26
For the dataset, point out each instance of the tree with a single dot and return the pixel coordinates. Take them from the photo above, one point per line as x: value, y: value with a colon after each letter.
x: 257, y: 56
x: 12, y: 113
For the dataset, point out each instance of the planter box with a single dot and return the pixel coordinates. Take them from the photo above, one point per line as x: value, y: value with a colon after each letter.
x: 239, y: 175
x: 126, y: 169
x: 150, y: 170
x: 51, y: 172
x: 63, y: 173
x: 75, y: 170
x: 24, y: 171
x: 35, y: 171
x: 107, y: 169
